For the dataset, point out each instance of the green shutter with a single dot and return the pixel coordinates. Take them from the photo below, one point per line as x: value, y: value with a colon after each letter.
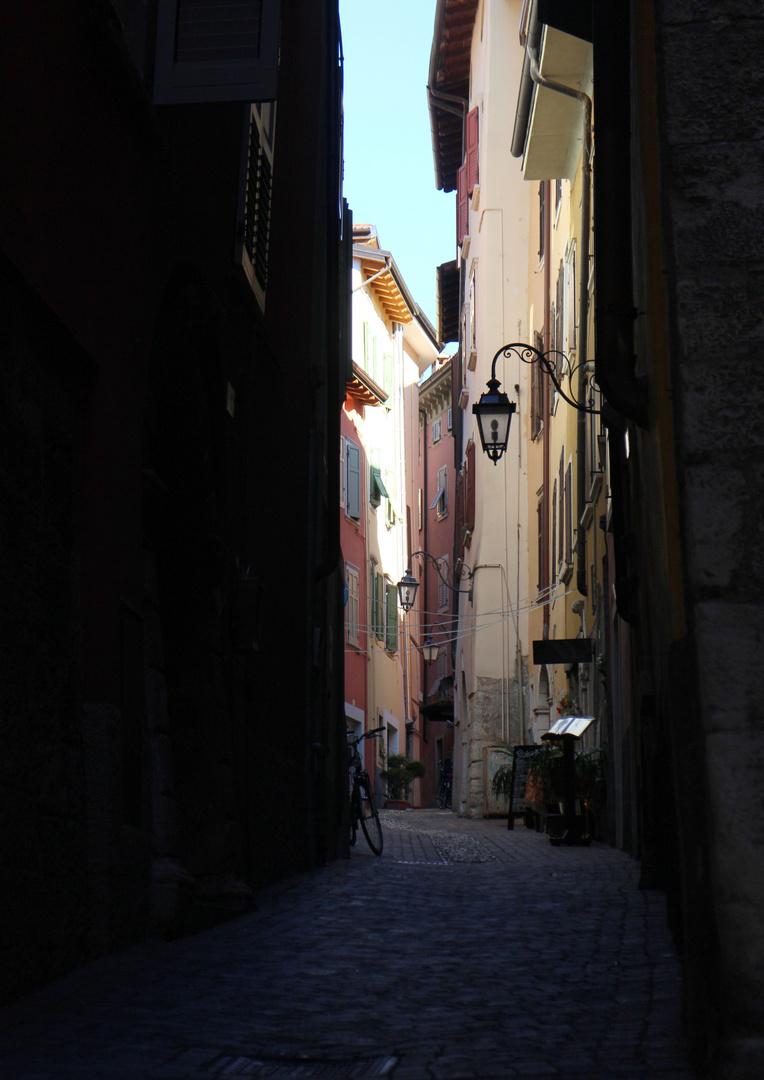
x: 379, y: 607
x: 391, y: 642
x: 388, y: 375
x: 368, y: 359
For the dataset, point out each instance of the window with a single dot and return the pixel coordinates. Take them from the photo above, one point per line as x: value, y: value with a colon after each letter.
x: 557, y: 195
x: 470, y: 341
x: 440, y: 502
x: 255, y: 198
x: 420, y: 509
x: 392, y: 491
x: 436, y: 431
x: 540, y: 576
x: 377, y: 490
x: 352, y: 479
x: 391, y: 617
x: 561, y: 514
x: 450, y: 419
x: 542, y: 219
x: 352, y: 609
x: 388, y: 376
x: 462, y: 205
x: 377, y: 604
x: 570, y: 297
x: 537, y: 390
x: 472, y: 157
x: 207, y: 51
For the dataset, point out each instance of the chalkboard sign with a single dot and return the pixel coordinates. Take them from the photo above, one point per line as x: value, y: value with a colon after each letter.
x: 521, y: 760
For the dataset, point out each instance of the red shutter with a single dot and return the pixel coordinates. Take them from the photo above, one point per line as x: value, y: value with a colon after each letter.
x: 470, y: 493
x: 462, y: 205
x: 473, y: 155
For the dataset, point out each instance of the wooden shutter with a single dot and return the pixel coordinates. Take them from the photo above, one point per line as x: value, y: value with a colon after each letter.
x: 470, y: 492
x: 387, y: 374
x: 462, y: 205
x: 212, y: 51
x: 352, y: 480
x: 473, y: 154
x: 379, y: 606
x: 391, y: 640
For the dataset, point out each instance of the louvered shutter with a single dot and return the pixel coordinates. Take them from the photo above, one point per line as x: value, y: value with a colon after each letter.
x: 208, y: 50
x: 391, y: 639
x: 388, y: 375
x: 473, y: 150
x: 353, y: 480
x: 470, y: 493
x: 379, y: 606
x: 462, y: 205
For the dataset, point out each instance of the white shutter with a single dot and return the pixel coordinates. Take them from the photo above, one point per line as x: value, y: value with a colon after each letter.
x: 216, y: 50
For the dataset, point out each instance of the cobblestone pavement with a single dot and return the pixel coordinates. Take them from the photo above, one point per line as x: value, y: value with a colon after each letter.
x: 465, y: 952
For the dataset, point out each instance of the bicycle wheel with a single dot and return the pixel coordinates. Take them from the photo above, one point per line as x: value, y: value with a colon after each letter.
x: 370, y: 823
x: 441, y: 797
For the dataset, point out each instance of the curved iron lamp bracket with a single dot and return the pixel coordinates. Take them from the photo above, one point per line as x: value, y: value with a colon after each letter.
x: 530, y: 355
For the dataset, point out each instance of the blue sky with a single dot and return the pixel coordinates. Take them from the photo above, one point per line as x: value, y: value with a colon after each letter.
x: 389, y: 172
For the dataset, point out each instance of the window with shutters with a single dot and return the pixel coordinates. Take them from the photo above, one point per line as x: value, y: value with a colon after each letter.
x: 462, y: 205
x: 570, y: 297
x: 352, y: 479
x: 391, y: 617
x: 377, y: 604
x: 255, y: 197
x: 569, y: 515
x: 542, y: 219
x: 442, y: 586
x: 450, y: 419
x: 472, y: 157
x: 352, y: 610
x: 209, y: 51
x: 469, y: 459
x: 561, y: 514
x: 440, y: 502
x: 392, y: 491
x: 377, y: 489
x: 436, y: 431
x: 537, y: 390
x: 540, y: 540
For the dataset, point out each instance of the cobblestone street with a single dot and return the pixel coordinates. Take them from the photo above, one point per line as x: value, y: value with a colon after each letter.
x: 465, y: 952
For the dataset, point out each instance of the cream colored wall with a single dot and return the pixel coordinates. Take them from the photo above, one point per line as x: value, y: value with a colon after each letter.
x: 498, y: 230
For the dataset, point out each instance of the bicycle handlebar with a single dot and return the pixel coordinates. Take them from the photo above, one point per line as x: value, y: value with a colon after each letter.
x: 366, y: 735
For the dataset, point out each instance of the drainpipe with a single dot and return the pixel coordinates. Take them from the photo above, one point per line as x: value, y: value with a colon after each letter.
x: 583, y: 306
x: 545, y: 554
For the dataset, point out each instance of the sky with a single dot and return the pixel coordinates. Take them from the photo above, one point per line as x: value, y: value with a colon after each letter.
x: 389, y: 171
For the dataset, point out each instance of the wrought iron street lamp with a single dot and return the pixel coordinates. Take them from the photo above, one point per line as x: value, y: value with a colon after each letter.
x: 408, y: 585
x: 494, y: 415
x: 429, y: 650
x: 494, y: 410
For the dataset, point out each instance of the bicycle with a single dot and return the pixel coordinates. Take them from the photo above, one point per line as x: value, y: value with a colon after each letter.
x: 443, y: 794
x: 363, y: 809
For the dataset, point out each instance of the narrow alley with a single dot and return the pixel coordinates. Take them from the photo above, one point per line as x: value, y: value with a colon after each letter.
x: 465, y: 952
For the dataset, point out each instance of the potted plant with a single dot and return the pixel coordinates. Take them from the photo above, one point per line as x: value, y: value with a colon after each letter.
x: 399, y: 774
